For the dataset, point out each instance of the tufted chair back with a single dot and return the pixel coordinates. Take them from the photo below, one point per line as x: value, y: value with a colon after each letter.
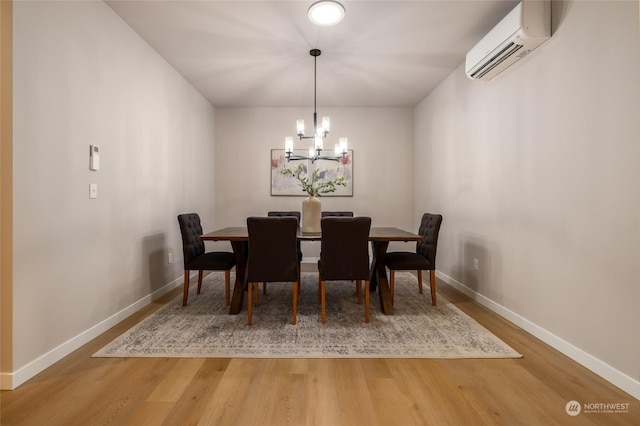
x: 191, y: 230
x: 284, y: 214
x: 337, y: 213
x: 429, y: 229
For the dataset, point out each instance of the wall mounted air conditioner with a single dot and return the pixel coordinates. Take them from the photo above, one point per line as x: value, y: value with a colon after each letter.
x: 526, y: 27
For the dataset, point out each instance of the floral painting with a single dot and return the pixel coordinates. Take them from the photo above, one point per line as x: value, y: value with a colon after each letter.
x: 288, y: 185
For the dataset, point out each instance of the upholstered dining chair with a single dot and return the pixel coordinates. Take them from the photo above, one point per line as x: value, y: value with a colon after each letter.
x: 344, y: 255
x: 273, y: 256
x: 196, y: 259
x: 337, y: 214
x: 288, y: 214
x: 342, y: 213
x: 424, y: 258
x: 295, y: 214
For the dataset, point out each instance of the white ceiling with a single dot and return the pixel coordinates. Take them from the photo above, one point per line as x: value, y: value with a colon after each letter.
x: 256, y: 53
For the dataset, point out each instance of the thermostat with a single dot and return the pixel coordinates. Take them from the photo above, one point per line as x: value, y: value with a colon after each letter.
x: 94, y: 157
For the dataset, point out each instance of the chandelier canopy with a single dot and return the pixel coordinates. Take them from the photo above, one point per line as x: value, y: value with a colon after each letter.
x: 319, y: 132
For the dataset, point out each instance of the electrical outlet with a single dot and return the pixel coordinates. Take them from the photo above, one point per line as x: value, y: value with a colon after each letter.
x: 170, y: 257
x: 475, y: 264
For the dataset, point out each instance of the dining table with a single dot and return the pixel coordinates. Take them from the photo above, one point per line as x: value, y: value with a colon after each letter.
x: 380, y: 237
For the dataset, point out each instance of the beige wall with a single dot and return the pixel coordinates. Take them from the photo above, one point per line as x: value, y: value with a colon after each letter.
x: 536, y: 173
x: 6, y: 179
x: 81, y: 77
x: 381, y: 139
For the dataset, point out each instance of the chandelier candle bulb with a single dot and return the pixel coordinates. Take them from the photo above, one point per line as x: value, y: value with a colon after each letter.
x: 300, y: 127
x: 326, y: 124
x: 318, y: 143
x: 288, y: 144
x: 343, y: 146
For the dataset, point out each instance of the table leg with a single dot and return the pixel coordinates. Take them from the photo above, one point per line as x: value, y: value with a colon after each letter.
x: 379, y: 276
x: 240, y: 250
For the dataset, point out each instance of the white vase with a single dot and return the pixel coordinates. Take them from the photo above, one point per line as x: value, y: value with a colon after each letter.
x: 311, y: 213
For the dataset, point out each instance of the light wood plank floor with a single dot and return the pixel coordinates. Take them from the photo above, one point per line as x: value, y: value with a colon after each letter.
x: 534, y: 390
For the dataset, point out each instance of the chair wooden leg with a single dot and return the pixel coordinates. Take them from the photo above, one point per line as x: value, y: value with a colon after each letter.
x: 432, y: 283
x: 392, y: 283
x: 185, y: 294
x: 420, y: 280
x: 249, y: 303
x: 199, y: 281
x: 323, y: 310
x: 359, y: 291
x: 366, y: 301
x: 296, y: 289
x: 257, y: 294
x: 227, y: 280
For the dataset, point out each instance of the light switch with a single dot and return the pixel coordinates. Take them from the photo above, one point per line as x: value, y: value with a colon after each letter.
x: 93, y: 190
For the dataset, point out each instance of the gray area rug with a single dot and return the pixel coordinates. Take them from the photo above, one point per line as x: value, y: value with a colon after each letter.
x: 205, y: 329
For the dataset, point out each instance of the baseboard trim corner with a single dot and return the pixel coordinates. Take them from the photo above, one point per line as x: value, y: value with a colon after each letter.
x: 10, y: 381
x: 599, y: 367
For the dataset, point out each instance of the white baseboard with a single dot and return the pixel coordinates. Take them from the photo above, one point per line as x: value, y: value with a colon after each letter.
x: 602, y: 369
x: 10, y: 381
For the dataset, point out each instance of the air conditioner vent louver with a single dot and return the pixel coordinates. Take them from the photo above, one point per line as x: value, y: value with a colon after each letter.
x: 527, y: 26
x: 496, y: 60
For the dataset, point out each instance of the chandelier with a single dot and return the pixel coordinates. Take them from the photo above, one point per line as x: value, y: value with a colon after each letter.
x: 319, y: 132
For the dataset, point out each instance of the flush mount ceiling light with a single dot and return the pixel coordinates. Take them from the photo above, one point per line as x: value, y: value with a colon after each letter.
x: 326, y: 13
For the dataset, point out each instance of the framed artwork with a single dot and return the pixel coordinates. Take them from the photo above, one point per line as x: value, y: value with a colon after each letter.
x: 287, y: 185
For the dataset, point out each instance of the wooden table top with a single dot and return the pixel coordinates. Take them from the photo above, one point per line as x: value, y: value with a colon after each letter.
x: 240, y: 233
